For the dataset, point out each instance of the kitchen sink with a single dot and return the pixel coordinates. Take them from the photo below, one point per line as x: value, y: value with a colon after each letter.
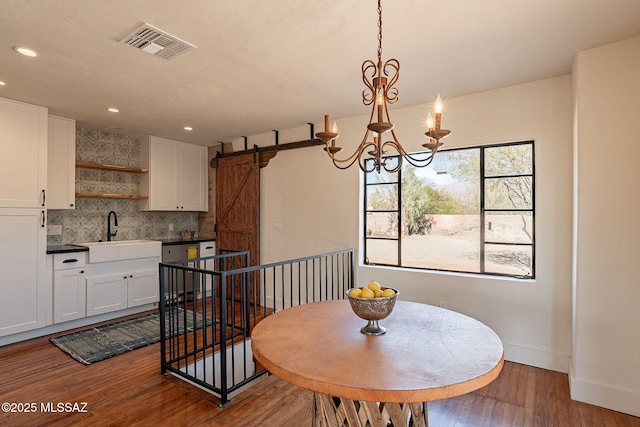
x: 119, y: 250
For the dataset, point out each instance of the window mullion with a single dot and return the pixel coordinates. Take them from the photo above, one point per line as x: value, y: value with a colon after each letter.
x: 400, y: 217
x: 482, y: 213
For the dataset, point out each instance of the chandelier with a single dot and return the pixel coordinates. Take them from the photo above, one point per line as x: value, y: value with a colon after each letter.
x: 379, y: 80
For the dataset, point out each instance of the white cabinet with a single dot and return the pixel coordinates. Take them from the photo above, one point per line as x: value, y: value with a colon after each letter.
x: 177, y: 178
x: 23, y: 155
x: 193, y: 179
x: 106, y: 293
x: 61, y: 168
x: 69, y: 287
x: 207, y: 249
x: 143, y: 287
x: 113, y: 286
x: 25, y: 298
x: 24, y: 295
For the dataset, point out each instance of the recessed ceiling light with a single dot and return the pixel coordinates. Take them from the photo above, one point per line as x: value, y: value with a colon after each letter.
x: 25, y: 51
x: 188, y: 128
x: 2, y: 83
x: 113, y: 110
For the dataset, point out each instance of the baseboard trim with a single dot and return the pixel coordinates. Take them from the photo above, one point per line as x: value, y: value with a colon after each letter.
x: 535, y: 357
x: 72, y: 324
x: 616, y: 399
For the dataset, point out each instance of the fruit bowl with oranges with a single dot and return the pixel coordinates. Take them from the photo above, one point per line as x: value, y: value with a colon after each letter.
x: 372, y: 303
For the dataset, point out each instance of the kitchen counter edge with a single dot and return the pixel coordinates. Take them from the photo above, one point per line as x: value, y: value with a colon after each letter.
x: 61, y: 249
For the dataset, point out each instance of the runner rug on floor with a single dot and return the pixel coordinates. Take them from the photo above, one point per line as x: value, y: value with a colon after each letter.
x: 96, y: 344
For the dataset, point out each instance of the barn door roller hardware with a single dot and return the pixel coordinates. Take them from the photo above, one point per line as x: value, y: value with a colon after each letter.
x: 269, y: 152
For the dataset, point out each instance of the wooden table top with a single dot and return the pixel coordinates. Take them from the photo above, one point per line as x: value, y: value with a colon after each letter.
x: 428, y: 353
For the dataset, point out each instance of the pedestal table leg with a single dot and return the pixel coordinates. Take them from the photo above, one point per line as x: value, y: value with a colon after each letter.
x: 332, y: 411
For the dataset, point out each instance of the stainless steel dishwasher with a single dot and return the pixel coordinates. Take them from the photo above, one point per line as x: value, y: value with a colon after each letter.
x: 184, y: 252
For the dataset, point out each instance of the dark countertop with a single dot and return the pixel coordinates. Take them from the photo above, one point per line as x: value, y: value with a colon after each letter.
x: 61, y: 249
x: 180, y: 241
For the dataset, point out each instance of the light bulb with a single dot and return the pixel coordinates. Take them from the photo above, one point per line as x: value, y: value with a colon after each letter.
x: 429, y: 121
x: 438, y: 105
x: 334, y: 129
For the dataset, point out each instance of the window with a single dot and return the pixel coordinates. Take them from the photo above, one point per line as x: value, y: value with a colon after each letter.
x: 471, y: 210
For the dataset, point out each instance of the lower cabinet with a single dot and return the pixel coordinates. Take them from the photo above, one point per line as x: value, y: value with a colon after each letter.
x: 207, y: 249
x: 106, y: 293
x: 69, y: 295
x: 113, y: 286
x: 143, y: 287
x: 25, y: 298
x: 69, y: 287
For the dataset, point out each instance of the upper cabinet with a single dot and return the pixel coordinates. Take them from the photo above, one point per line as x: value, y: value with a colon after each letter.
x: 61, y: 168
x: 23, y: 155
x: 177, y: 178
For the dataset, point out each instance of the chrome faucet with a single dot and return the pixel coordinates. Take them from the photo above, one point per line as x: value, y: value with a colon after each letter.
x: 109, y: 233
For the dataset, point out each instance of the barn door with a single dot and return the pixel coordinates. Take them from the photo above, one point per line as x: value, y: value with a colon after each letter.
x: 238, y: 205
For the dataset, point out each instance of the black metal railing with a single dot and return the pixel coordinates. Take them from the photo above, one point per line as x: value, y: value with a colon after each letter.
x: 209, y: 306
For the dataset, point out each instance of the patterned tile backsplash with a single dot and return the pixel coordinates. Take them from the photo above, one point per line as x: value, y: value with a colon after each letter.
x: 88, y: 221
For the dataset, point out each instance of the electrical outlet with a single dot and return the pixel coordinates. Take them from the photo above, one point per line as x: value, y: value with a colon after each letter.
x: 443, y: 304
x: 54, y: 230
x: 171, y: 227
x: 277, y: 225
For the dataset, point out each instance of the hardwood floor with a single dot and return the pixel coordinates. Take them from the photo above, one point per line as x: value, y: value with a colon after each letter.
x: 128, y: 390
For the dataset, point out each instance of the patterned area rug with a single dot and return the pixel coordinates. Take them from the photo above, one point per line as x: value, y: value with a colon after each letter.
x: 94, y: 345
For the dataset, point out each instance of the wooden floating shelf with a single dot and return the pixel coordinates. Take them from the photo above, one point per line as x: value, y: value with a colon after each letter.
x: 87, y: 165
x: 111, y: 196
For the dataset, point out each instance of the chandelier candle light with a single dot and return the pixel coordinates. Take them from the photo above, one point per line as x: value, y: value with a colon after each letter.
x: 380, y: 92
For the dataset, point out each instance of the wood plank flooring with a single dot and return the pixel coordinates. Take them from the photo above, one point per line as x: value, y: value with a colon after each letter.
x: 128, y: 390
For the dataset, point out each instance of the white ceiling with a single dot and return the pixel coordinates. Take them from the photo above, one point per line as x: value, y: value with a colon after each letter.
x: 262, y: 65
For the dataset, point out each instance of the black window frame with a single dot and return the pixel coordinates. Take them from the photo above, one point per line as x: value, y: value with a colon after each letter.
x: 483, y: 211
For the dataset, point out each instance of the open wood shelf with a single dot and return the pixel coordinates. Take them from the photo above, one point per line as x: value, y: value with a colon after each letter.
x: 111, y: 196
x: 88, y: 165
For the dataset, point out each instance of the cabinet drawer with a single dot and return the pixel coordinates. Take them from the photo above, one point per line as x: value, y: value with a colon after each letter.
x: 69, y: 260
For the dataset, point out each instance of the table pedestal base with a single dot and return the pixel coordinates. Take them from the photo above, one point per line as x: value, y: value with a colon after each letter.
x: 339, y: 412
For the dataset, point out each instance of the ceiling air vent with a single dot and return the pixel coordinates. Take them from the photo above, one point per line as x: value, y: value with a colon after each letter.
x: 156, y: 42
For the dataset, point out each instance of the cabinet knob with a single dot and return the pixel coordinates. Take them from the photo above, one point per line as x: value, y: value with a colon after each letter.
x: 131, y: 275
x: 81, y: 271
x: 124, y: 277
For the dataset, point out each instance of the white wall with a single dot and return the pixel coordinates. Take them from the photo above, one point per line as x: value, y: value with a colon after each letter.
x: 606, y: 348
x: 319, y: 210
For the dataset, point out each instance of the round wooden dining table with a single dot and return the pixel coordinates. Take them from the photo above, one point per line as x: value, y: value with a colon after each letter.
x: 427, y: 353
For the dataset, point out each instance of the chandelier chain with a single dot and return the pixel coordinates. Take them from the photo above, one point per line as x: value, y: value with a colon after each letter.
x: 379, y: 31
x: 379, y: 80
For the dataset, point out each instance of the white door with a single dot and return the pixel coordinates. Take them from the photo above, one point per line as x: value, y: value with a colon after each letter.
x: 69, y: 295
x: 144, y: 287
x: 61, y: 166
x: 162, y: 172
x: 23, y: 286
x: 106, y: 293
x: 23, y: 154
x: 193, y: 180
